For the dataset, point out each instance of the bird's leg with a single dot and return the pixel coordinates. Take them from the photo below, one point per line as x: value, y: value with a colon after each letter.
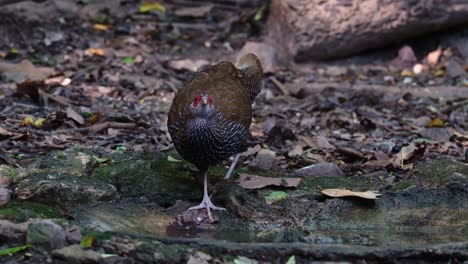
x: 206, y: 202
x: 233, y: 165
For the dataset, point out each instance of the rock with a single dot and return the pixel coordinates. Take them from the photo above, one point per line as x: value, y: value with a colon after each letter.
x: 200, y: 258
x: 46, y: 233
x: 5, y: 195
x: 265, y: 160
x: 265, y: 52
x: 75, y: 254
x: 320, y: 29
x: 73, y: 234
x: 323, y: 169
x: 4, y: 181
x: 12, y: 233
x: 454, y: 69
x: 64, y: 187
x: 405, y: 59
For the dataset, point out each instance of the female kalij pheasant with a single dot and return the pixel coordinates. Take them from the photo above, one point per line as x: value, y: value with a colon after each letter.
x: 210, y: 116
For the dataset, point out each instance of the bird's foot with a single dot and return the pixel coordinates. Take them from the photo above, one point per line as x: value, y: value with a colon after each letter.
x: 208, y: 205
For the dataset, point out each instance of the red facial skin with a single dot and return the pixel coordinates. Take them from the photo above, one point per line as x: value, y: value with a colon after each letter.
x: 199, y: 99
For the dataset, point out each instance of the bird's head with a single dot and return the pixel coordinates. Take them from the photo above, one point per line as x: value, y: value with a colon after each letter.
x: 202, y: 104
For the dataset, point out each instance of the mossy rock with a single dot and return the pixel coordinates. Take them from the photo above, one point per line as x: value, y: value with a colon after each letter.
x: 441, y: 172
x: 19, y: 211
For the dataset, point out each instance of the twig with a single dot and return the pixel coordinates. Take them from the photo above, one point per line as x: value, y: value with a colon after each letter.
x: 280, y: 86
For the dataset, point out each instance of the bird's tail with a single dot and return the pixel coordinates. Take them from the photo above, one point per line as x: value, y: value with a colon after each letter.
x: 253, y: 73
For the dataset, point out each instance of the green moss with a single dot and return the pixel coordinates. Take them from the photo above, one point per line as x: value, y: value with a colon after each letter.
x: 354, y: 183
x: 441, y: 172
x: 401, y: 185
x: 8, y: 171
x: 19, y: 211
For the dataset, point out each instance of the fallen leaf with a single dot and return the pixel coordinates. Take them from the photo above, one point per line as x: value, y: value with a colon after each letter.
x: 95, y: 52
x: 291, y: 260
x: 405, y: 153
x: 128, y: 60
x: 172, y: 159
x: 95, y: 118
x: 249, y: 181
x: 275, y: 196
x: 343, y: 193
x: 29, y: 120
x: 101, y: 27
x: 436, y: 122
x: 439, y: 134
x: 59, y: 80
x: 39, y: 122
x: 188, y: 64
x: 151, y: 6
x: 6, y: 133
x: 433, y: 56
x: 296, y: 151
x: 88, y: 241
x: 13, y: 250
x: 72, y: 114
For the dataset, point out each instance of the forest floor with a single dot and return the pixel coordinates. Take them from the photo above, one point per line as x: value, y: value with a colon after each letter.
x: 88, y: 173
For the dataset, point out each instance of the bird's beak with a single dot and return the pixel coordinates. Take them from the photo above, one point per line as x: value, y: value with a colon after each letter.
x: 204, y: 100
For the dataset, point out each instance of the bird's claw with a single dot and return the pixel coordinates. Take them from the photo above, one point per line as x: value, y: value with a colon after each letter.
x: 208, y: 205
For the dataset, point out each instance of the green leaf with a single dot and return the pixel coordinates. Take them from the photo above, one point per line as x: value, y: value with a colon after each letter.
x: 172, y: 159
x: 86, y: 114
x: 275, y: 196
x: 88, y: 241
x: 261, y: 12
x: 13, y: 250
x: 100, y: 160
x: 128, y: 60
x: 291, y: 260
x: 151, y: 6
x: 121, y: 148
x: 108, y: 255
x: 14, y: 51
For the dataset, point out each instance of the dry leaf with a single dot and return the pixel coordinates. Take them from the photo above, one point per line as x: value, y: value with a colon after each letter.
x: 59, y: 80
x: 75, y: 116
x: 405, y: 153
x: 101, y: 27
x: 433, y: 57
x: 436, y: 122
x: 29, y: 120
x: 296, y: 151
x: 6, y: 133
x: 94, y: 52
x: 151, y: 6
x: 343, y: 193
x: 188, y: 64
x: 249, y: 181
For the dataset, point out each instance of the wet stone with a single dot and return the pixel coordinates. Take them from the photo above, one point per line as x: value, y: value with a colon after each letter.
x: 46, y: 233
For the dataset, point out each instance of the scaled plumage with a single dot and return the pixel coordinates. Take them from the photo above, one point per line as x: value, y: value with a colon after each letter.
x: 210, y: 116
